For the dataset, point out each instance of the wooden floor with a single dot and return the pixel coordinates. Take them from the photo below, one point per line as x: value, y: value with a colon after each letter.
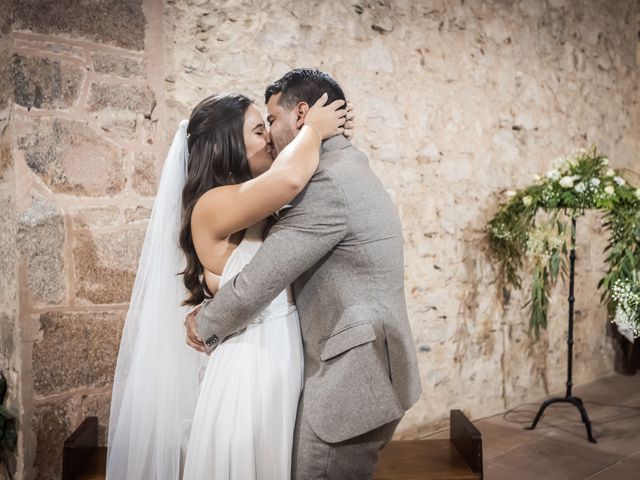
x: 558, y: 448
x: 406, y: 460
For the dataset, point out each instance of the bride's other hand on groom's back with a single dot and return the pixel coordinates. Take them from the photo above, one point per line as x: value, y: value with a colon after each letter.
x: 193, y: 339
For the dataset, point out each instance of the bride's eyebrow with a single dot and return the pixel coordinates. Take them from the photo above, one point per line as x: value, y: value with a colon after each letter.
x: 259, y: 125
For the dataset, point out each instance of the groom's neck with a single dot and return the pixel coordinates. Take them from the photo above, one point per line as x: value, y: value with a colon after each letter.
x: 337, y: 142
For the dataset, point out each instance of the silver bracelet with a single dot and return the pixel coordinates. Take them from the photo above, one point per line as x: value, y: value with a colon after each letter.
x: 315, y: 128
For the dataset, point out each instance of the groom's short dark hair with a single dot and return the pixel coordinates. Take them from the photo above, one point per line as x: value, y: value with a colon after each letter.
x: 304, y: 85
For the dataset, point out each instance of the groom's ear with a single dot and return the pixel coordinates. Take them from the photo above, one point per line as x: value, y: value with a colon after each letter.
x: 302, y: 108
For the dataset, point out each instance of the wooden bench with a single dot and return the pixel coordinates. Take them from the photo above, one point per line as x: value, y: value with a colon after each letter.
x: 82, y: 459
x: 459, y: 458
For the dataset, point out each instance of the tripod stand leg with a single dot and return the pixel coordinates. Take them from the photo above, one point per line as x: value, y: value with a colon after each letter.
x: 589, y: 433
x: 585, y: 418
x: 541, y: 412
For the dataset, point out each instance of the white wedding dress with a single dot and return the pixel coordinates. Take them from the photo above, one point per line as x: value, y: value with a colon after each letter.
x: 245, y: 415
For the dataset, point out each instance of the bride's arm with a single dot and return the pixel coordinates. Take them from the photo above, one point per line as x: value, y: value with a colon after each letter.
x: 231, y: 208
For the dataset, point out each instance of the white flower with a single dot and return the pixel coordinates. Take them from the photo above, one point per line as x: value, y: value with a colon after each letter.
x: 527, y: 201
x: 595, y: 182
x: 553, y: 174
x: 609, y: 190
x: 558, y: 163
x: 605, y: 161
x: 511, y: 193
x: 581, y: 187
x: 619, y: 180
x: 638, y: 193
x: 537, y: 178
x: 610, y: 173
x: 566, y: 182
x: 579, y: 151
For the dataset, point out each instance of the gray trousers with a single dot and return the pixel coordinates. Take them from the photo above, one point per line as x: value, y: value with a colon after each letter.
x: 353, y: 459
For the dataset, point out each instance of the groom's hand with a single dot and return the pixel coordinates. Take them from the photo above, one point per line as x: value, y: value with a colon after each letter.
x: 193, y: 339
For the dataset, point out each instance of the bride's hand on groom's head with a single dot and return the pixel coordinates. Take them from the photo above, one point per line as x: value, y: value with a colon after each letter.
x: 328, y: 120
x: 350, y: 123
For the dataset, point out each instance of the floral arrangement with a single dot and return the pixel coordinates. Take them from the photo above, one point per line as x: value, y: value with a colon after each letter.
x: 531, y: 227
x: 626, y: 293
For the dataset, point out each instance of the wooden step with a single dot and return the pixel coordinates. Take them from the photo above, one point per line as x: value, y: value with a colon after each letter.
x: 96, y: 468
x: 423, y: 460
x: 80, y: 452
x: 459, y: 458
x: 402, y: 460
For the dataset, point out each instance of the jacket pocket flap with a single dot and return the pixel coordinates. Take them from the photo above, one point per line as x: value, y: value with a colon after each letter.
x: 349, y: 337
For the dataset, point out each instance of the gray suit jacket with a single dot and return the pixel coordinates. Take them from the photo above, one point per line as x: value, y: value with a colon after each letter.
x: 340, y: 245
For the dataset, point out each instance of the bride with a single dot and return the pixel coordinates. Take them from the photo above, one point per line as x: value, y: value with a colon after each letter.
x: 177, y: 413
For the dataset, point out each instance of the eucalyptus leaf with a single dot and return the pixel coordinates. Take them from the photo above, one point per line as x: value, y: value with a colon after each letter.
x: 5, y: 413
x: 9, y: 437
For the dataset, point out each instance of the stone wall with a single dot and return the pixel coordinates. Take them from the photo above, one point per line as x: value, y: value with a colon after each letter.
x: 8, y: 264
x: 85, y: 108
x: 456, y: 101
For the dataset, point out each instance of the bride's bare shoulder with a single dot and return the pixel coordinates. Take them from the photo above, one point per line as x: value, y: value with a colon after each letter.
x: 209, y: 200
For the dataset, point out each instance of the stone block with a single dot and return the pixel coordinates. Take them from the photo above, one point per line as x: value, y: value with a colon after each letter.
x: 71, y: 158
x: 40, y: 241
x: 76, y: 350
x: 115, y: 22
x: 137, y: 214
x: 45, y: 83
x: 95, y: 217
x: 52, y: 423
x: 105, y: 265
x: 108, y: 64
x: 121, y: 124
x: 145, y: 174
x: 131, y: 98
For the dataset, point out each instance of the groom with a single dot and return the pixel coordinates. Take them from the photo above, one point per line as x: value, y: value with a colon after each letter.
x: 340, y: 245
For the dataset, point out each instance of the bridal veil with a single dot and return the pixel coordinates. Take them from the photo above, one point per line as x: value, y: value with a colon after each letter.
x: 157, y: 375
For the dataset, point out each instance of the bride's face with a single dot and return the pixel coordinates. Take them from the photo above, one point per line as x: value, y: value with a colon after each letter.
x: 257, y: 142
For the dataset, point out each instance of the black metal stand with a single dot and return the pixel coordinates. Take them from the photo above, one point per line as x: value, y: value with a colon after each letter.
x: 569, y: 398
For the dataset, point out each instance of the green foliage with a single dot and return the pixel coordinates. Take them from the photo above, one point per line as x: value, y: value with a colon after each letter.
x: 8, y: 434
x: 580, y: 182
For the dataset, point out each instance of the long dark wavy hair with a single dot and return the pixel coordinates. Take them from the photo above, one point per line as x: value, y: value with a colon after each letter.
x: 217, y: 156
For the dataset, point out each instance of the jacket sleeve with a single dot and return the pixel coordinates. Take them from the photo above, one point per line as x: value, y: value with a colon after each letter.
x: 304, y: 234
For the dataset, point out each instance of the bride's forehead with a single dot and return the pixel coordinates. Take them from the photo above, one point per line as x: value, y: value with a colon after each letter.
x: 253, y: 114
